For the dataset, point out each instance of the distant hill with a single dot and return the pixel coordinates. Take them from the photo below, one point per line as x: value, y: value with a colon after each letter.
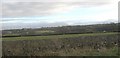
x: 76, y: 29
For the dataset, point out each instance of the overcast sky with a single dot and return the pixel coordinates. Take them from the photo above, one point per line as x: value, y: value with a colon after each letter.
x: 42, y: 13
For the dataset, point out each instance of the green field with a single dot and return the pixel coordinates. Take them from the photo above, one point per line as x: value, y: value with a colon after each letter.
x: 55, y: 36
x: 92, y: 44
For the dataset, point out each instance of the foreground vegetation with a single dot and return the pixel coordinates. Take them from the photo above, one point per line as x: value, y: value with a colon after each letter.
x: 96, y: 44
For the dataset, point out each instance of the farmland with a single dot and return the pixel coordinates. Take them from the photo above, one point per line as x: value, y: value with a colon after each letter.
x: 95, y: 44
x: 55, y: 36
x: 88, y: 40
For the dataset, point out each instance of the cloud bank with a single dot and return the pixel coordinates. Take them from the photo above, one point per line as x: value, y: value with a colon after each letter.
x: 20, y: 8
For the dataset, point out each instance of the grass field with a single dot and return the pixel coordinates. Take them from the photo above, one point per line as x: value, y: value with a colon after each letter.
x: 55, y: 36
x: 92, y: 44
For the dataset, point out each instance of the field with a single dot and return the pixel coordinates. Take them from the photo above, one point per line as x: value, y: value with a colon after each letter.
x: 53, y: 36
x: 90, y: 44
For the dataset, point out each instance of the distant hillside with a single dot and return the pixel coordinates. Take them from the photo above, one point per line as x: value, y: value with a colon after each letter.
x: 77, y: 29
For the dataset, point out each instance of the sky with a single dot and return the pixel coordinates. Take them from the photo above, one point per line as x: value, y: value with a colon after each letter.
x: 52, y: 13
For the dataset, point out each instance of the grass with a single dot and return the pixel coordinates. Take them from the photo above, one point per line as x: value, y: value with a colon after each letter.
x: 62, y: 45
x: 45, y: 31
x: 10, y: 35
x: 54, y: 36
x: 91, y: 52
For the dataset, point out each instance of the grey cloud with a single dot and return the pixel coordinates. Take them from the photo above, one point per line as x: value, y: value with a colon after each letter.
x: 26, y: 9
x: 11, y: 20
x: 19, y: 9
x: 55, y: 0
x: 31, y: 25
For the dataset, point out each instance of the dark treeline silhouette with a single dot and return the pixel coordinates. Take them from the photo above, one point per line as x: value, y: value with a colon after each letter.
x: 77, y: 29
